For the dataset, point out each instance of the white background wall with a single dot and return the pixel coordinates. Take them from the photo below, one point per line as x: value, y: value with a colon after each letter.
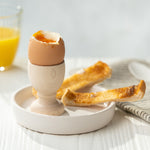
x: 103, y: 28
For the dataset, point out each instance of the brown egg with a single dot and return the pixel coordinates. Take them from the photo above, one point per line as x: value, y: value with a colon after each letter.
x: 46, y: 48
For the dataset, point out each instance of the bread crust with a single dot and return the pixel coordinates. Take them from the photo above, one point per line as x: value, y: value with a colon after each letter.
x: 131, y: 93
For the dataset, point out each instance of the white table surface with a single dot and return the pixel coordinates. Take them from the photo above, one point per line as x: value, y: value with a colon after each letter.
x: 124, y: 132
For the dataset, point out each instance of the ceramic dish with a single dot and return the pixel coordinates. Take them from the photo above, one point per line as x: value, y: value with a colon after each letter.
x: 75, y: 120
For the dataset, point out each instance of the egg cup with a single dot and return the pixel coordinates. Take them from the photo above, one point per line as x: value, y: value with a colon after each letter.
x: 46, y: 80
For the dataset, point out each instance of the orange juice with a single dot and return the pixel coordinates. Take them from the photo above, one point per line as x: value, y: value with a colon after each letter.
x: 9, y: 39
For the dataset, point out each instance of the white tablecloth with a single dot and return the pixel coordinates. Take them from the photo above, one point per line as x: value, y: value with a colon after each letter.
x: 124, y: 132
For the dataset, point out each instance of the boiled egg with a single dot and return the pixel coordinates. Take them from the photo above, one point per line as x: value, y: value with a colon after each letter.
x: 46, y: 48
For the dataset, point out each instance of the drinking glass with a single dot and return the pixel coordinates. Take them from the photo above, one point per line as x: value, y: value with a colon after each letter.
x: 10, y: 19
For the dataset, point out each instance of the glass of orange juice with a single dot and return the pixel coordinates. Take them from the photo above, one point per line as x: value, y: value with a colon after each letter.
x: 10, y: 19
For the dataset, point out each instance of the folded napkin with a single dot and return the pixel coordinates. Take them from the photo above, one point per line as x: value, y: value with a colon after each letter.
x: 122, y: 76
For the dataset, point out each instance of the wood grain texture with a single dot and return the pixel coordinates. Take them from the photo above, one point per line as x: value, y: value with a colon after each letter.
x: 125, y: 132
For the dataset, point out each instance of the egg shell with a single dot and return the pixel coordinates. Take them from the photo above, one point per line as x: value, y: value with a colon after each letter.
x: 46, y: 54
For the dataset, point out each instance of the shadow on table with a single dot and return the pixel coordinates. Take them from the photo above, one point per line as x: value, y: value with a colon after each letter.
x: 119, y: 132
x: 11, y: 80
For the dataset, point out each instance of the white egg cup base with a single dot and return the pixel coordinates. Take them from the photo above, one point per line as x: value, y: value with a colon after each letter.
x: 74, y: 120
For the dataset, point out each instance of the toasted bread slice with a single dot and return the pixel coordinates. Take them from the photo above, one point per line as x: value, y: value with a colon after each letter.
x: 131, y: 93
x: 90, y: 76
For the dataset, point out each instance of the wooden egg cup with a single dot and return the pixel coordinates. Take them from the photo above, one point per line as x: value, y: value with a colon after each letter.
x: 46, y: 80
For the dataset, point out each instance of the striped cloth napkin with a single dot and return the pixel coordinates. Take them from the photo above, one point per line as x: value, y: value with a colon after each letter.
x: 121, y: 77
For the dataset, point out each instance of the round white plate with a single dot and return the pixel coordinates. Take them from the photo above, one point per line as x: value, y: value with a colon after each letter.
x: 75, y: 119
